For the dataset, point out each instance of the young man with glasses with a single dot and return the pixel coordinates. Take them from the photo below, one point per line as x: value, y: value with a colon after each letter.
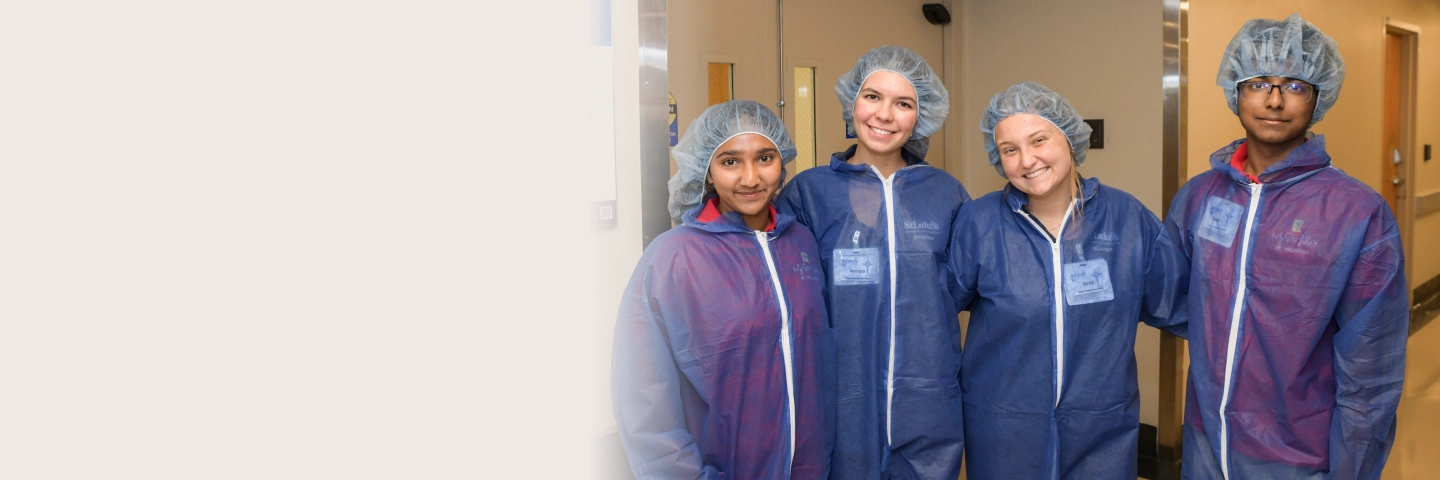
x: 1298, y: 308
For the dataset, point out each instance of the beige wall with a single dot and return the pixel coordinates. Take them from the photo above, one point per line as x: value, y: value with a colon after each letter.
x: 744, y: 32
x: 1102, y: 56
x: 1352, y: 129
x: 739, y: 31
x: 816, y: 36
x: 1105, y: 57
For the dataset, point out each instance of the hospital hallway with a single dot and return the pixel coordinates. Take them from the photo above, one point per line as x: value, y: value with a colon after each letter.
x: 1416, y: 454
x: 1147, y: 87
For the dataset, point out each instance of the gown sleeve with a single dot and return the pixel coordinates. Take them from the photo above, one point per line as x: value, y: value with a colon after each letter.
x: 964, y: 271
x: 791, y: 201
x: 1373, y: 320
x: 1167, y: 281
x: 646, y: 385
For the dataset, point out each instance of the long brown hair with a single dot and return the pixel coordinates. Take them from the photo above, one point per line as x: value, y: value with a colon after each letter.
x: 1079, y: 214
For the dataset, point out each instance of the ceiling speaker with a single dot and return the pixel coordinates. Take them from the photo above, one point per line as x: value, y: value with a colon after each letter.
x: 936, y: 13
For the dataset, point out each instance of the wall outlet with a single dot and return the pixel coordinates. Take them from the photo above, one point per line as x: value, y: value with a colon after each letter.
x: 1097, y: 133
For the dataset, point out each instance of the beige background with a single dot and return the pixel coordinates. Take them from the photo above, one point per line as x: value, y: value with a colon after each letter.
x: 292, y: 240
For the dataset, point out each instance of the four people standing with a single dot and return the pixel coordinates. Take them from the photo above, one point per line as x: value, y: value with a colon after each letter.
x: 748, y: 347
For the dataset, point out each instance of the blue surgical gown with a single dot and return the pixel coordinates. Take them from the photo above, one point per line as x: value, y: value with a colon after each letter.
x: 882, y: 245
x: 1049, y: 374
x: 722, y: 335
x: 1299, y: 316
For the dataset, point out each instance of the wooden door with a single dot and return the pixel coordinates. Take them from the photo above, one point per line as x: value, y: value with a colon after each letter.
x: 1391, y: 157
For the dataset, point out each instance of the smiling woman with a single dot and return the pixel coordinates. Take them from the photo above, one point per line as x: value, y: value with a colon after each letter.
x: 1053, y: 376
x: 745, y: 174
x: 1036, y: 159
x: 883, y: 217
x: 723, y: 359
x: 885, y: 114
x: 742, y: 141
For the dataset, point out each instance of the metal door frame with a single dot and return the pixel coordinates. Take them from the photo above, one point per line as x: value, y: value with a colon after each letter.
x: 1175, y: 81
x: 654, y: 120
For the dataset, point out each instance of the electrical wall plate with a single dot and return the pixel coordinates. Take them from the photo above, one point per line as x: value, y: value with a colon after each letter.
x: 1097, y: 133
x: 602, y: 214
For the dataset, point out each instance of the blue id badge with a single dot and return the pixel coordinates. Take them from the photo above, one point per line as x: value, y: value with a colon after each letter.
x: 1221, y: 220
x: 1088, y: 282
x: 856, y: 266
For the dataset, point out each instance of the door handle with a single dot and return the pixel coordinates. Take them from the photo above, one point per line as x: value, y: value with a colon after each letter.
x: 1397, y: 180
x: 1397, y: 156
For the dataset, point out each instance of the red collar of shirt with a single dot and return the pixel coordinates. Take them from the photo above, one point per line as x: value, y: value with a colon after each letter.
x: 1242, y: 153
x: 712, y: 212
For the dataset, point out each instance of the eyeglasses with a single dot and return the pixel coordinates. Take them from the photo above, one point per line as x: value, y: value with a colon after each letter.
x: 1259, y: 91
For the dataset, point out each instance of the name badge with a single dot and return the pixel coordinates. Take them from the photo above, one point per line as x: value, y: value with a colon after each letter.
x: 856, y: 266
x: 1088, y: 282
x: 1221, y: 220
